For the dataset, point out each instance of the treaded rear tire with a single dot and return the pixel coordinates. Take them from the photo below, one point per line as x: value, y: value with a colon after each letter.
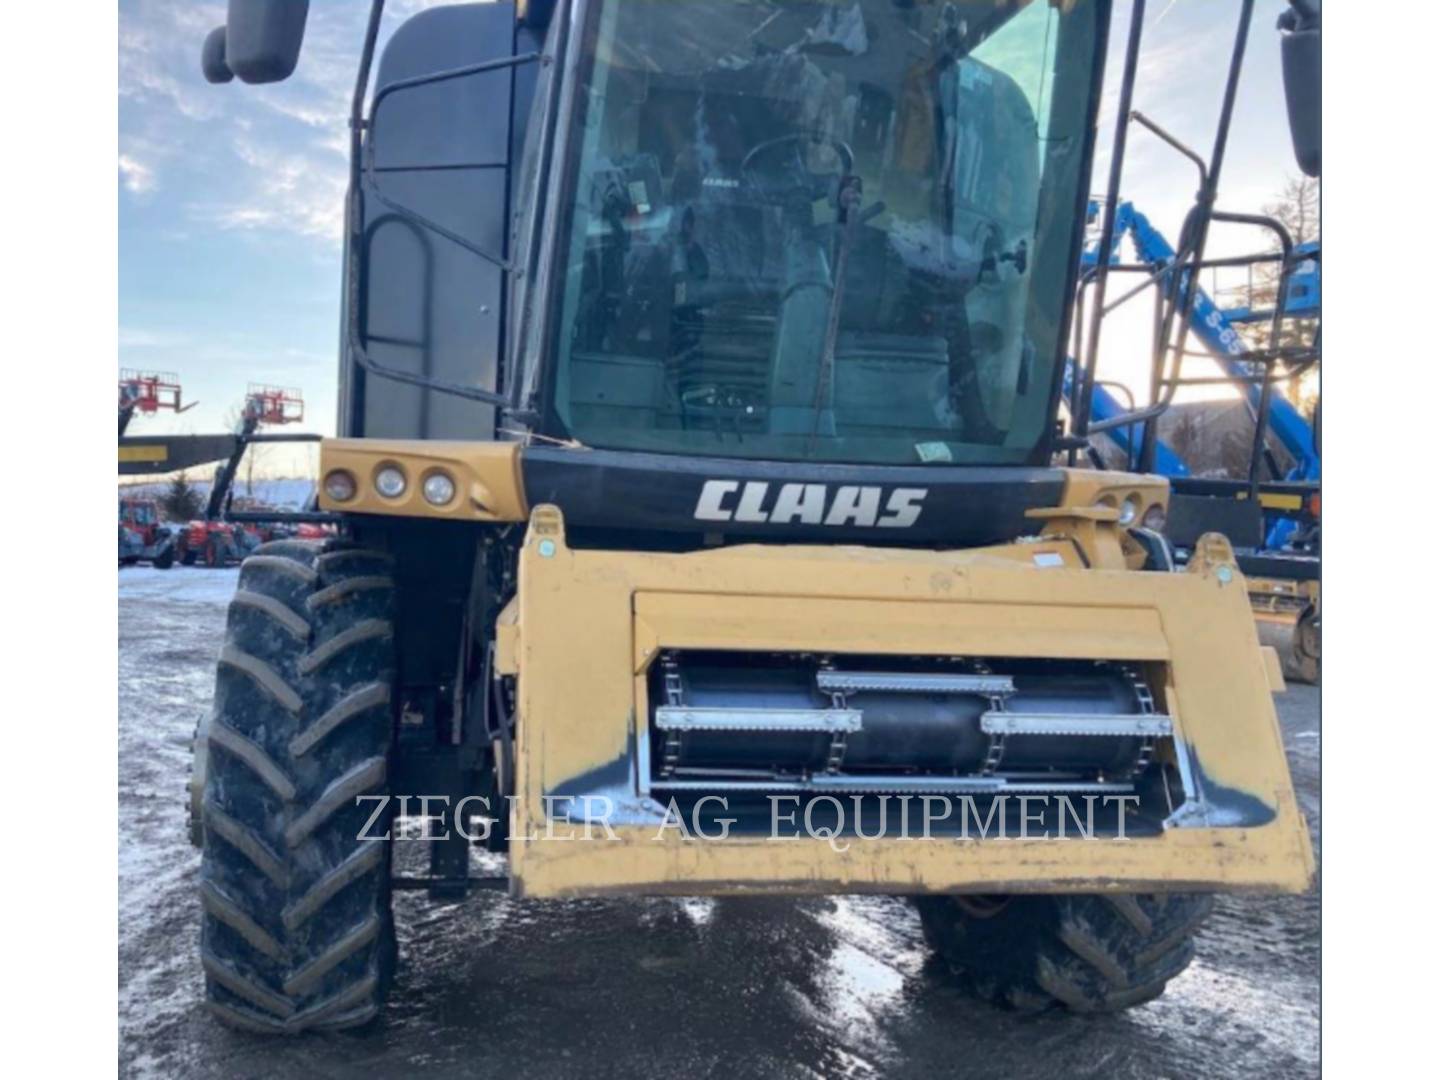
x: 297, y: 933
x: 1304, y: 664
x: 1085, y: 953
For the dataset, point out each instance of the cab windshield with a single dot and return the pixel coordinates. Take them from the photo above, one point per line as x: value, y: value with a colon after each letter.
x: 138, y: 512
x: 837, y: 232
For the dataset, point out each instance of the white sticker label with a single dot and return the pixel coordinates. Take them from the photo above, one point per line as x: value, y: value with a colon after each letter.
x: 639, y: 196
x: 1049, y: 558
x: 933, y: 451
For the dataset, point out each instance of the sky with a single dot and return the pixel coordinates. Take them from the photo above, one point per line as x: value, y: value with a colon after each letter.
x: 231, y: 197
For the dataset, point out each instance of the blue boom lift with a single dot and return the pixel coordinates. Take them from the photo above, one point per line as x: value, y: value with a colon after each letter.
x: 1216, y: 329
x: 1272, y: 520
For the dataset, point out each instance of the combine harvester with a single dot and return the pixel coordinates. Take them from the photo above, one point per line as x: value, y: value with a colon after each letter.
x: 700, y: 375
x: 1273, y: 514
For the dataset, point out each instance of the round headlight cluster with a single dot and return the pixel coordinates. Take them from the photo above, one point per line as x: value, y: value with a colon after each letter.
x: 1128, y: 510
x: 438, y: 489
x: 340, y: 485
x: 390, y: 481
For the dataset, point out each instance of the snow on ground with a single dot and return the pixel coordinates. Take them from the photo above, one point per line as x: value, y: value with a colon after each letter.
x: 170, y: 627
x: 747, y: 987
x: 179, y: 584
x: 287, y: 493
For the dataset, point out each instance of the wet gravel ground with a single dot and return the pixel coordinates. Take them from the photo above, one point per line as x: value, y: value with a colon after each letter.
x: 691, y: 988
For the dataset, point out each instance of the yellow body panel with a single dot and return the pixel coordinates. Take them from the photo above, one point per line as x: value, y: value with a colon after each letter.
x: 486, y: 477
x: 585, y: 626
x: 146, y: 454
x: 1283, y: 599
x: 588, y: 623
x: 490, y: 488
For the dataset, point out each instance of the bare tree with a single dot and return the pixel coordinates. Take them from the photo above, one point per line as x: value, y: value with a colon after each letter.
x: 1297, y: 207
x: 254, y: 453
x: 1186, y: 437
x: 1235, y: 447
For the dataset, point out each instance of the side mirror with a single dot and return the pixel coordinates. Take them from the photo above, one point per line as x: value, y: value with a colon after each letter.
x: 262, y: 38
x: 1300, y: 61
x: 212, y: 57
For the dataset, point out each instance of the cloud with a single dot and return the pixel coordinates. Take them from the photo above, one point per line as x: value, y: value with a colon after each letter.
x: 139, y: 337
x: 295, y: 189
x: 138, y: 178
x: 159, y: 50
x: 235, y: 157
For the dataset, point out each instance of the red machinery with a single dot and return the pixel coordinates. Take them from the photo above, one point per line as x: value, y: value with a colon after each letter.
x: 148, y: 392
x: 217, y: 538
x: 214, y: 540
x: 142, y: 537
x: 274, y: 404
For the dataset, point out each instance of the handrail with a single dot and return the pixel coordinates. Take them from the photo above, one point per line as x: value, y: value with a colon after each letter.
x: 1085, y: 383
x: 400, y: 209
x: 361, y: 173
x: 1180, y: 278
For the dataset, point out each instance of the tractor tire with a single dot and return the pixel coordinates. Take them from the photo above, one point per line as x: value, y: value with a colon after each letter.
x: 165, y: 560
x: 189, y: 558
x: 297, y: 933
x: 1090, y: 953
x: 1303, y: 662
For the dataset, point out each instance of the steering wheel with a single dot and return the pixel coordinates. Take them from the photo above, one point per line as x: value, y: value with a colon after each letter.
x: 796, y: 182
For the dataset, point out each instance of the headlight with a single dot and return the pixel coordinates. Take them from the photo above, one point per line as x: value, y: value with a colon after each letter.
x: 340, y: 485
x: 438, y: 489
x: 1154, y: 518
x: 1129, y: 510
x: 390, y: 482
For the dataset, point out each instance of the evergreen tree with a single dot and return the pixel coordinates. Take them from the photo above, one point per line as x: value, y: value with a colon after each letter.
x: 182, y: 502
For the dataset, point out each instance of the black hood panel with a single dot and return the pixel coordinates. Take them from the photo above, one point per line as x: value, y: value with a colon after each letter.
x: 789, y: 501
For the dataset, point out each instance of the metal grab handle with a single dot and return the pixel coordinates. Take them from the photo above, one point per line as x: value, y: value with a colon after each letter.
x: 362, y: 170
x: 1182, y: 289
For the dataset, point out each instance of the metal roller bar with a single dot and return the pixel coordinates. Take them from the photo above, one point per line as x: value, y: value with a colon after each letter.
x: 914, y: 682
x: 959, y: 785
x: 899, y: 785
x: 686, y: 718
x: 1150, y: 725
